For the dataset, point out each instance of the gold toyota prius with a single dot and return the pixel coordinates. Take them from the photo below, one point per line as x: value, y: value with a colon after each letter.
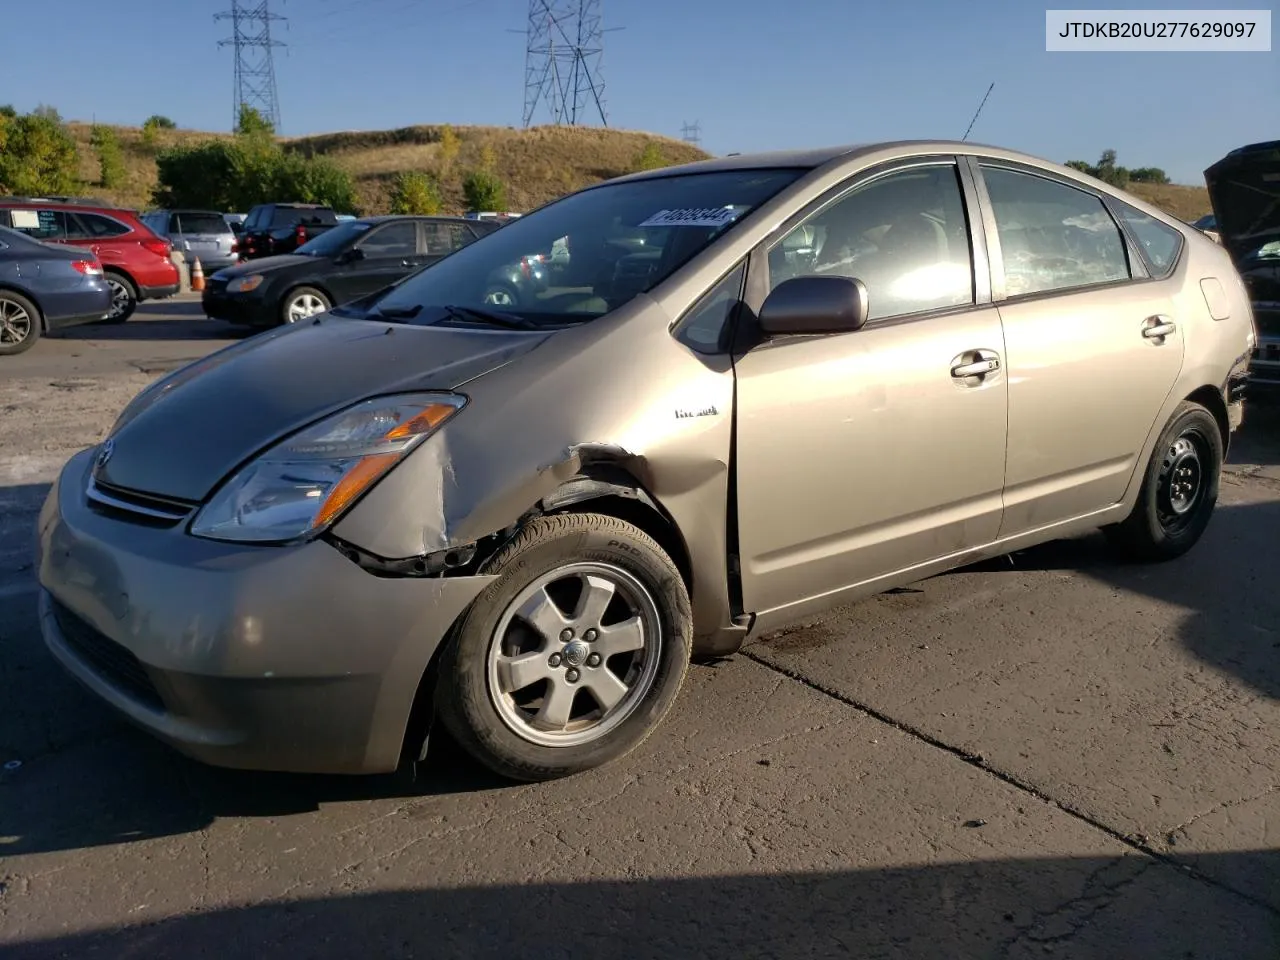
x: 747, y: 390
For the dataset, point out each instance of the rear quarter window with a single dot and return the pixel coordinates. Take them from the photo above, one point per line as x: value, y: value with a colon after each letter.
x: 1160, y: 242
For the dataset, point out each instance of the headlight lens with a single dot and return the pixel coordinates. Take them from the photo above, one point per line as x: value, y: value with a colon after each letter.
x: 245, y: 284
x: 304, y: 483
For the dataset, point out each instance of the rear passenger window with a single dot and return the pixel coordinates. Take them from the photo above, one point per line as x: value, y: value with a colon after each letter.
x: 1160, y: 242
x: 94, y: 226
x: 1052, y: 236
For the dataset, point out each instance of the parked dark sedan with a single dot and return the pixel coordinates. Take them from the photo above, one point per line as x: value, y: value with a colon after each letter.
x: 45, y: 287
x: 354, y: 259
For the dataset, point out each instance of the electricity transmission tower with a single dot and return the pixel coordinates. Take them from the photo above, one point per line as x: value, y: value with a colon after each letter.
x: 692, y: 133
x: 255, y: 83
x: 564, y: 43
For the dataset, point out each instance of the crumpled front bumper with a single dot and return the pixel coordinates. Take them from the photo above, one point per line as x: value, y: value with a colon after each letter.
x: 275, y: 658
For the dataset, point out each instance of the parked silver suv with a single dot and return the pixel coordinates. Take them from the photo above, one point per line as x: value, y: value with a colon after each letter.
x: 197, y: 233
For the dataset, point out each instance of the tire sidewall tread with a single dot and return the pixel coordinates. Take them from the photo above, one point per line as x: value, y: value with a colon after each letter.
x: 543, y: 544
x: 29, y: 341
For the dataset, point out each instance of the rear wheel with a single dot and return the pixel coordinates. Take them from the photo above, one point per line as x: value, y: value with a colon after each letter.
x: 19, y: 324
x: 124, y: 298
x: 573, y: 655
x: 302, y: 303
x: 1179, y: 489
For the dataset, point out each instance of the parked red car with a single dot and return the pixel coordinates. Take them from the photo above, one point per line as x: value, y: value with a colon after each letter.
x: 135, y: 260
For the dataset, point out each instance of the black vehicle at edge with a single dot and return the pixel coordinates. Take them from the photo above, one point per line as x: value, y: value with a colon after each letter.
x: 348, y: 262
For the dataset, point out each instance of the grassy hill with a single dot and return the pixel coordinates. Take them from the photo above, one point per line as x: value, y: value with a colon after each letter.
x: 537, y: 165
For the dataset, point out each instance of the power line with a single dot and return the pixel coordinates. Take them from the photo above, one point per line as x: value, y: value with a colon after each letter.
x: 255, y: 72
x: 979, y: 110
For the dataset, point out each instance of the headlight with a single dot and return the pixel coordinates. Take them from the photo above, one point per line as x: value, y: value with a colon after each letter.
x: 306, y: 481
x: 245, y: 284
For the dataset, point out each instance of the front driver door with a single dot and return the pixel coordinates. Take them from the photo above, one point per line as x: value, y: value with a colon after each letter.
x: 866, y: 453
x: 390, y: 252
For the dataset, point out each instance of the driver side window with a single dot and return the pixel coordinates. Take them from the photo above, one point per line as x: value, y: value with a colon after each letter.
x: 903, y: 234
x: 394, y: 240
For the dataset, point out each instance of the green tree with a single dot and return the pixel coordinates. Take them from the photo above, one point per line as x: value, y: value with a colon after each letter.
x: 7, y: 111
x: 160, y: 122
x: 416, y: 193
x: 252, y: 123
x: 40, y: 156
x: 110, y: 156
x: 1148, y: 175
x: 488, y: 159
x: 450, y: 144
x: 650, y: 158
x: 484, y: 191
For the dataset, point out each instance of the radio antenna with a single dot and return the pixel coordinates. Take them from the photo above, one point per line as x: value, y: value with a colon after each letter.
x: 979, y: 110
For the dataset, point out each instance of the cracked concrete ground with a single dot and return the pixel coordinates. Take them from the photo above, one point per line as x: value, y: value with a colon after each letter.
x: 1053, y: 755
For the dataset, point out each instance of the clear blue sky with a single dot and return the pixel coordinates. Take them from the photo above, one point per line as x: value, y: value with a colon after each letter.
x: 757, y: 74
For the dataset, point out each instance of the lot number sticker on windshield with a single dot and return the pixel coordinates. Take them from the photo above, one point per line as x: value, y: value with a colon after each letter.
x: 25, y: 219
x: 704, y: 217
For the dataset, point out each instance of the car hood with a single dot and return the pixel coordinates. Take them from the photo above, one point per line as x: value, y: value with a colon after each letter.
x: 1244, y: 188
x: 264, y: 265
x: 185, y: 434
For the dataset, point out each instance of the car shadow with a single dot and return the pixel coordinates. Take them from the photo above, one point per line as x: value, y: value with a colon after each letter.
x: 160, y: 320
x: 1086, y: 908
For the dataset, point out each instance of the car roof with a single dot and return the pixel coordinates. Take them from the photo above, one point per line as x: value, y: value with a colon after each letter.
x: 382, y: 218
x: 66, y: 205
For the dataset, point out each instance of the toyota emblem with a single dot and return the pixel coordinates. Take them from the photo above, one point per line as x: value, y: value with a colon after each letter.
x: 105, y: 453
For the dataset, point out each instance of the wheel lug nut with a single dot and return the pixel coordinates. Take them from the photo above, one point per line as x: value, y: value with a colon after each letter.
x: 554, y: 660
x: 593, y: 660
x: 590, y: 636
x: 566, y: 635
x: 572, y: 675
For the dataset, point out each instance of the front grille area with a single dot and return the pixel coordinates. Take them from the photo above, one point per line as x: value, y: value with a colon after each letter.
x: 1266, y: 315
x: 108, y: 659
x: 137, y: 507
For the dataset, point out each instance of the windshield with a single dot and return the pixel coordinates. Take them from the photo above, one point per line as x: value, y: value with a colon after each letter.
x: 588, y: 253
x: 334, y: 241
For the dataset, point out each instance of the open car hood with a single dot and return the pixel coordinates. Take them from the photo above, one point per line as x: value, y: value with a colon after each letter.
x: 183, y: 435
x: 1244, y: 188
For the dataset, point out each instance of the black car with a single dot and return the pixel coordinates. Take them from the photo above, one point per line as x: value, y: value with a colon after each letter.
x: 274, y: 228
x: 353, y: 259
x: 1246, y: 204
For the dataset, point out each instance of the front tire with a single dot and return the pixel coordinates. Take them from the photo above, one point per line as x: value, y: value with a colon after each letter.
x: 124, y: 298
x: 1179, y: 489
x: 573, y: 655
x: 303, y: 303
x: 19, y: 324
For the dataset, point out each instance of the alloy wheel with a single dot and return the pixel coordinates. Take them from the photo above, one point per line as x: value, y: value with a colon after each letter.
x: 120, y: 297
x: 307, y: 305
x: 15, y: 323
x: 574, y: 654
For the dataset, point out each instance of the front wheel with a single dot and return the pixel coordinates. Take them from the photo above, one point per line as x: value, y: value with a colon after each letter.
x: 573, y: 655
x: 1179, y: 490
x: 302, y: 303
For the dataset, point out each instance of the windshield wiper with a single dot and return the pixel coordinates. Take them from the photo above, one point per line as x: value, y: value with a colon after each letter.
x: 508, y: 321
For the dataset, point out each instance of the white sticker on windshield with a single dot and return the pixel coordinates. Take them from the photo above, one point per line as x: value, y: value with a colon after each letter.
x: 703, y: 217
x: 25, y: 219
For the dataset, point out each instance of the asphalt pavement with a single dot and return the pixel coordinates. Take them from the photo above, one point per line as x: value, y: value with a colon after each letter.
x: 1046, y: 755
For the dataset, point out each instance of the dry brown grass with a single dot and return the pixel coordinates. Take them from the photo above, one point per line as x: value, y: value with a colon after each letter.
x: 538, y: 164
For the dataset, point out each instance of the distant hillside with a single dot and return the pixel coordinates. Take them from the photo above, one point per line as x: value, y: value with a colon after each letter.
x: 537, y: 165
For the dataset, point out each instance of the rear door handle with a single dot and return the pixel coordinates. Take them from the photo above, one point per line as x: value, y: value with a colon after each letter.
x: 986, y: 363
x: 1158, y: 327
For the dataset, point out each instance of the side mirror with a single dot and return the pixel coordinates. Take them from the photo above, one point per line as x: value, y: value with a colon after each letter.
x: 815, y: 305
x: 351, y: 256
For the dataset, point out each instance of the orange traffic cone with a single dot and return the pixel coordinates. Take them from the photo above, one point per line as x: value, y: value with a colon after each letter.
x: 197, y: 276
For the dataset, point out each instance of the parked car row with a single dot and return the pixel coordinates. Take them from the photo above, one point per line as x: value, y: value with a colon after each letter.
x: 136, y: 262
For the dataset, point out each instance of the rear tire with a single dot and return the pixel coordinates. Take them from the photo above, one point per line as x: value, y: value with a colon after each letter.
x: 1179, y: 490
x: 124, y: 298
x: 19, y: 324
x: 573, y: 655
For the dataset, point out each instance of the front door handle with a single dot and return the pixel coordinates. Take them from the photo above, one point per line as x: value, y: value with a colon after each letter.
x: 985, y: 362
x: 1158, y: 327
